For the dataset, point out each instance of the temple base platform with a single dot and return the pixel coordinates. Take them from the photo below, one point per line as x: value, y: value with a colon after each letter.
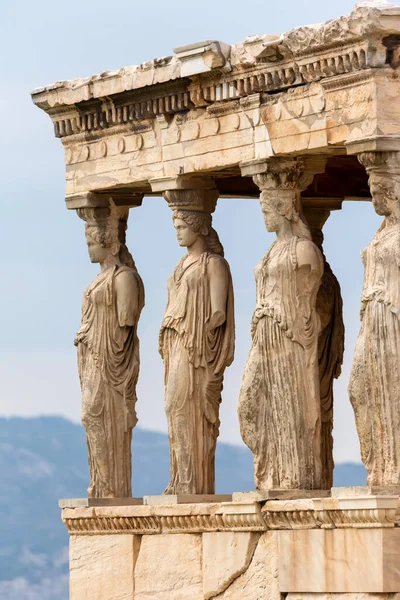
x: 322, y: 546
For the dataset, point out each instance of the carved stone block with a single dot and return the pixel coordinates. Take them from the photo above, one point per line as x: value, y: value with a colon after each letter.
x: 339, y: 561
x: 98, y: 562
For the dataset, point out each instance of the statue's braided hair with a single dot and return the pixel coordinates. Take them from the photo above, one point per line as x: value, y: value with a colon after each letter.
x: 201, y: 223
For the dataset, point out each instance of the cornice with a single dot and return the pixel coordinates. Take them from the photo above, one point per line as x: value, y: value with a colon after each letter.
x: 347, y: 47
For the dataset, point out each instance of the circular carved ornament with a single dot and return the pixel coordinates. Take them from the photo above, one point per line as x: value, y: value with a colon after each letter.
x: 138, y: 141
x: 86, y: 152
x: 216, y: 125
x: 103, y: 149
x: 121, y: 146
x: 194, y: 130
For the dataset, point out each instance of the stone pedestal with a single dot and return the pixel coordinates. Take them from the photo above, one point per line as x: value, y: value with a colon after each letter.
x: 311, y: 548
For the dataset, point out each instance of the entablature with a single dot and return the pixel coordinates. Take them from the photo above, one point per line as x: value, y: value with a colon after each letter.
x: 319, y: 89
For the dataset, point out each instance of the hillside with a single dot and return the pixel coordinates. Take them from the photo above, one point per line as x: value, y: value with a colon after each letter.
x: 44, y: 459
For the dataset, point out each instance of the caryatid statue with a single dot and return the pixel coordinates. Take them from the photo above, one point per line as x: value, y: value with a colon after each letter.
x: 279, y: 404
x: 330, y: 342
x: 108, y: 353
x: 375, y: 378
x: 196, y: 343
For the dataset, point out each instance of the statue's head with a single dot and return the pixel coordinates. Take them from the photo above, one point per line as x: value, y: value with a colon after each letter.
x: 385, y: 192
x: 105, y: 234
x: 191, y: 224
x: 99, y: 249
x: 281, y: 208
x: 384, y: 181
x: 274, y: 211
x: 101, y: 233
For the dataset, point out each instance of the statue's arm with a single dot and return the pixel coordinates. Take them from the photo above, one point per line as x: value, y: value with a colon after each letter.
x: 219, y: 282
x: 308, y: 274
x: 127, y: 298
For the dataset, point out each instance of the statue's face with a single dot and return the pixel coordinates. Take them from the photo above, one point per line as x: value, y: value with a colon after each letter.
x: 273, y: 220
x: 186, y: 237
x: 383, y: 194
x: 97, y: 253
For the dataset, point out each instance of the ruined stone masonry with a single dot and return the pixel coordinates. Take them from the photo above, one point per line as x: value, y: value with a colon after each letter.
x: 304, y: 121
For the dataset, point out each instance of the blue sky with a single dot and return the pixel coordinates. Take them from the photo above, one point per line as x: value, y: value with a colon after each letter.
x: 43, y: 257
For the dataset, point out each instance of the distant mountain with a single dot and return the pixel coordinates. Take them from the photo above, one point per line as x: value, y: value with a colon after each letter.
x: 44, y: 459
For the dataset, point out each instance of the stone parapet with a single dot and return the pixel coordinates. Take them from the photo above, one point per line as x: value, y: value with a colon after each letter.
x: 254, y: 550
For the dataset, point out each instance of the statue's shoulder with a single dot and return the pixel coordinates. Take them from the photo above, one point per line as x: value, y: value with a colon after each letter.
x: 124, y: 271
x: 218, y: 265
x: 308, y: 253
x: 125, y: 276
x: 217, y: 261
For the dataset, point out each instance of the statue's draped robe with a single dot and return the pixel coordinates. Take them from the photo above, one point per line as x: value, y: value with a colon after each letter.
x: 279, y: 404
x: 195, y: 359
x: 108, y: 361
x: 330, y: 358
x: 375, y: 378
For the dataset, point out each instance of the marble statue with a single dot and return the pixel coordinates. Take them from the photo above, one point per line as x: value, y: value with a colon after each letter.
x: 279, y: 404
x: 196, y: 344
x: 330, y: 343
x: 108, y: 353
x: 375, y: 378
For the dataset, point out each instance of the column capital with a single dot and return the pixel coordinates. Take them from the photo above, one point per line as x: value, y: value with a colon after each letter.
x: 379, y: 161
x: 188, y: 193
x: 112, y: 221
x: 181, y: 182
x: 103, y: 199
x: 283, y: 173
x: 377, y: 143
x: 383, y: 169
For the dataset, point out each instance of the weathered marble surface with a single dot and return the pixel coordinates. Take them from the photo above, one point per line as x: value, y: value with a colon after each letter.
x: 340, y: 560
x: 169, y: 567
x: 108, y: 353
x: 103, y: 568
x: 226, y: 556
x: 279, y: 403
x: 330, y: 343
x: 374, y: 387
x: 313, y: 89
x: 342, y: 548
x: 197, y: 341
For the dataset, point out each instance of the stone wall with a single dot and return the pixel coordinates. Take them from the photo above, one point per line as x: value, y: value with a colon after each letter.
x: 343, y: 547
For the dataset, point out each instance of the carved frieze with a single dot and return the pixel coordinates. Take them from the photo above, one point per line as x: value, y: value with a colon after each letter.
x: 341, y: 513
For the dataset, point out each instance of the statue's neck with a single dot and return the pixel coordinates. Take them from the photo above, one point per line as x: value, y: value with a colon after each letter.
x: 284, y: 232
x: 393, y: 219
x: 108, y: 263
x: 198, y: 248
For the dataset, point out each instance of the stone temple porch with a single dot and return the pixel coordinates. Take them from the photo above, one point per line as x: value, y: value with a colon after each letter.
x: 205, y: 123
